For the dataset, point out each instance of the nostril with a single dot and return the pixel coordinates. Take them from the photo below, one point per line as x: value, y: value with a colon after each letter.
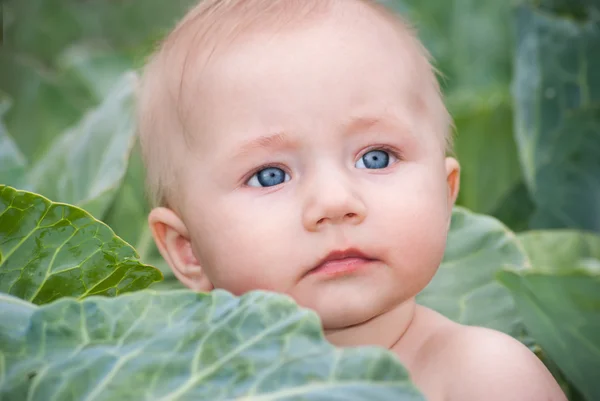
x: 351, y: 215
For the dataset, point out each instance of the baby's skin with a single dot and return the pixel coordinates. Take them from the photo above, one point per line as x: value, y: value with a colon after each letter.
x: 309, y: 158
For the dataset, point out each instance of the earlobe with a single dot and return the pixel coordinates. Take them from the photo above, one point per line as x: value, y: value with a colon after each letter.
x: 172, y: 239
x: 452, y: 180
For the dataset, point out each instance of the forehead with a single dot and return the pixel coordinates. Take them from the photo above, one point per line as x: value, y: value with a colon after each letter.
x: 348, y: 65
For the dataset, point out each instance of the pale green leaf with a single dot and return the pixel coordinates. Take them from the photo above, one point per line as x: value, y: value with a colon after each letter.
x: 51, y: 250
x: 17, y: 313
x: 177, y: 346
x: 559, y: 300
x: 86, y: 165
x: 556, y: 250
x: 99, y: 68
x: 465, y: 287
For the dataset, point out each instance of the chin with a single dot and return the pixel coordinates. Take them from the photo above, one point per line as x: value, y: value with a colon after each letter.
x: 338, y: 311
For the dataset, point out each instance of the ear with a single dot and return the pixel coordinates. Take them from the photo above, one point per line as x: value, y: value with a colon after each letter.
x: 452, y: 180
x: 173, y: 242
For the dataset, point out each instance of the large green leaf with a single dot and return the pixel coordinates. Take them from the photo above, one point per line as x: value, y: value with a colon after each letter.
x: 187, y: 346
x: 559, y: 300
x: 465, y: 287
x: 51, y: 250
x: 17, y: 313
x: 86, y: 165
x: 557, y: 94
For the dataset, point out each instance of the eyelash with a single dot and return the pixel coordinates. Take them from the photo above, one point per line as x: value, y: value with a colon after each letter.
x: 386, y: 148
x: 263, y: 167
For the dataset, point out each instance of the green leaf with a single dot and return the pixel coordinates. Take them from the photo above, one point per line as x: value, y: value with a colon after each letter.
x: 51, y: 250
x: 465, y: 287
x: 559, y: 300
x: 487, y: 153
x: 557, y: 250
x: 98, y: 68
x: 16, y: 313
x: 557, y: 95
x: 186, y: 346
x: 86, y: 165
x: 516, y: 208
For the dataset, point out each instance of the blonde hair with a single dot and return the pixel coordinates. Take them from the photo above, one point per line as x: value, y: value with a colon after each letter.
x: 208, y: 26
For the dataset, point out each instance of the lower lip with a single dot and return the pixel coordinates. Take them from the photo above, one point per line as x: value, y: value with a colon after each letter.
x: 341, y: 267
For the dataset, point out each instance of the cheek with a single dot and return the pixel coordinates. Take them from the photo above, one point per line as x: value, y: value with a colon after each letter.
x: 244, y: 247
x: 413, y: 219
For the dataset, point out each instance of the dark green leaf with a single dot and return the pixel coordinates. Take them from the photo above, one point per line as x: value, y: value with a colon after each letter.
x: 559, y: 300
x: 52, y: 250
x: 465, y: 288
x: 86, y: 165
x: 185, y: 346
x: 515, y: 208
x: 557, y: 92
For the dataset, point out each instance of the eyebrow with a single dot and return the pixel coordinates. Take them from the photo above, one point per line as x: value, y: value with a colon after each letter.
x: 362, y: 124
x: 279, y: 140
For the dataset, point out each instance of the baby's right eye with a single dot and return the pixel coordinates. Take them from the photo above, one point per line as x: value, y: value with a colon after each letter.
x: 268, y: 177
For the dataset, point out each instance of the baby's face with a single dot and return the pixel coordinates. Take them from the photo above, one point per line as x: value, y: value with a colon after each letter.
x: 309, y: 142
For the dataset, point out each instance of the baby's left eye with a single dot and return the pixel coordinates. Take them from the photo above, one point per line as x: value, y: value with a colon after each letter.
x: 375, y: 159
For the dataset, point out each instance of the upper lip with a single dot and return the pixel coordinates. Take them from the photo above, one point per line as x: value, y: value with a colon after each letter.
x: 342, y: 254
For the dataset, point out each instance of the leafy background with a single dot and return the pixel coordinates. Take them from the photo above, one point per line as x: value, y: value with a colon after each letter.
x: 521, y: 79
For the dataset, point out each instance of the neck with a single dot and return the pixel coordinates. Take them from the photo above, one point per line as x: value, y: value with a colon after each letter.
x: 384, y: 330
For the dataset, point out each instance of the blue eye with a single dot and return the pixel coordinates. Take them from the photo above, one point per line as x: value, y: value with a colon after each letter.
x: 268, y: 177
x: 375, y: 159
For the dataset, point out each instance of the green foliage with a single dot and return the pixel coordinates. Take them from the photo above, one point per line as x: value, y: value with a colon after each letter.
x: 464, y: 288
x: 559, y: 301
x: 52, y: 250
x: 557, y: 97
x: 185, y: 346
x: 66, y: 132
x: 84, y: 165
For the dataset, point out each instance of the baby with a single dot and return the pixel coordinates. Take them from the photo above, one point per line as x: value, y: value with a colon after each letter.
x: 299, y: 146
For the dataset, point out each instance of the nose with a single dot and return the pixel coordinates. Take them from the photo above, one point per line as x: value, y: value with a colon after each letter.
x: 332, y: 200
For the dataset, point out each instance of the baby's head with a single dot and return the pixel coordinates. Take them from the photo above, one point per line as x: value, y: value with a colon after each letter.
x: 278, y: 134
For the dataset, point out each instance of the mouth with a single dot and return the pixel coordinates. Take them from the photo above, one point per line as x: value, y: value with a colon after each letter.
x: 342, y: 262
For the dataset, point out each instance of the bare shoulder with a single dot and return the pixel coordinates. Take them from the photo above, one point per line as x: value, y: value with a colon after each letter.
x: 490, y: 365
